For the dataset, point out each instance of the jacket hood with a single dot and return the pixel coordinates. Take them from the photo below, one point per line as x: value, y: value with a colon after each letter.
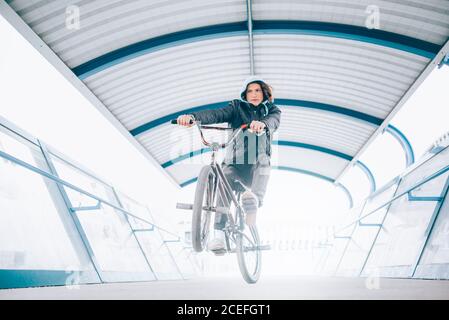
x: 252, y: 79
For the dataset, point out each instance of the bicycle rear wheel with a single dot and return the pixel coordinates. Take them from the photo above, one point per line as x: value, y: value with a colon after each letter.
x: 249, y: 255
x: 205, y: 197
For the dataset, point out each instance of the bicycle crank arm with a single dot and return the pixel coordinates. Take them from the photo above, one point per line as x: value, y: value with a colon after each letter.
x: 260, y: 248
x: 184, y: 206
x: 188, y: 206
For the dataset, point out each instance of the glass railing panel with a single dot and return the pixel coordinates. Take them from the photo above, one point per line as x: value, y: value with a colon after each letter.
x: 114, y: 246
x: 333, y: 256
x: 424, y: 170
x: 378, y: 199
x: 158, y: 254
x: 404, y: 231
x: 161, y: 259
x: 77, y: 177
x: 107, y: 229
x: 181, y: 254
x: 20, y: 148
x: 357, y: 251
x: 435, y: 260
x: 36, y: 230
x: 136, y: 209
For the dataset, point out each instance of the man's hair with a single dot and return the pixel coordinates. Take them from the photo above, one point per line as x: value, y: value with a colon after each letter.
x: 266, y: 91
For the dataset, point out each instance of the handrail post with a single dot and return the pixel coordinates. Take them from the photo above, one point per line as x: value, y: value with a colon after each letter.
x: 430, y: 226
x: 133, y: 233
x: 68, y: 204
x: 347, y: 243
x: 378, y: 231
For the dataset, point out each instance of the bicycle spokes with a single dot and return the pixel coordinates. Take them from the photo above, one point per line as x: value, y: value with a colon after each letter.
x: 248, y: 254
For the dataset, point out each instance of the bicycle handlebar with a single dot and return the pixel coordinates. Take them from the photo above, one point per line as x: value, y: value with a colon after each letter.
x: 220, y: 145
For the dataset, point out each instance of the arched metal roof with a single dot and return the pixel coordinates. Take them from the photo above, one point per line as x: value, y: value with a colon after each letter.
x: 338, y: 83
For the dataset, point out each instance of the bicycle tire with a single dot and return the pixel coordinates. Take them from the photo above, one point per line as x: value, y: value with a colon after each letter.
x: 250, y: 274
x: 200, y: 227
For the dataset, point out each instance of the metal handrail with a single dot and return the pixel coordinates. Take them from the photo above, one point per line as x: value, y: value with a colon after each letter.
x: 431, y: 177
x: 73, y: 187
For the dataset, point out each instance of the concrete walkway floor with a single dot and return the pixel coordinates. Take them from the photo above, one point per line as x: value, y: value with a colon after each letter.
x: 227, y: 288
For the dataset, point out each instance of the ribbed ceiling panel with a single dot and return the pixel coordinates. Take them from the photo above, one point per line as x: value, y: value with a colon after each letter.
x: 173, y: 79
x: 108, y: 25
x: 324, y: 129
x: 425, y: 20
x: 336, y: 81
x: 342, y: 72
x: 306, y: 159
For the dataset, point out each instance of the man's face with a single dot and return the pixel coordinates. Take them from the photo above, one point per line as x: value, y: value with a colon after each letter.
x: 254, y: 94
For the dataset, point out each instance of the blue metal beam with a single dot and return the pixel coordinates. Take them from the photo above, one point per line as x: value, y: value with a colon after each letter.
x: 403, y: 141
x: 350, y: 32
x: 165, y: 119
x: 369, y: 175
x: 325, y: 29
x: 286, y: 143
x: 154, y: 44
x: 296, y: 170
x: 288, y: 102
x: 312, y: 147
x: 284, y: 168
x: 306, y: 172
x: 331, y: 108
x: 445, y: 61
x: 348, y: 194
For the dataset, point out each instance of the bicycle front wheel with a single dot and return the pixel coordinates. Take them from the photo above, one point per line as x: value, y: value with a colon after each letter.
x: 249, y: 255
x: 205, y: 195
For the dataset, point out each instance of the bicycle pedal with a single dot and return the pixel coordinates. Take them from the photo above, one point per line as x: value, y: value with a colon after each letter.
x: 184, y: 206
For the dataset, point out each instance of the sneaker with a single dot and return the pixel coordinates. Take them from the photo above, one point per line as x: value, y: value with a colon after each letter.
x: 217, y: 245
x: 250, y: 203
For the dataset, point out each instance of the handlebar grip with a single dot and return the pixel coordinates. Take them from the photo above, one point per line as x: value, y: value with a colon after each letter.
x: 175, y: 121
x: 246, y: 126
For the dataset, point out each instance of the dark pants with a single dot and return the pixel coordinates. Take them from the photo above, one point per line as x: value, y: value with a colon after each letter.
x: 253, y: 176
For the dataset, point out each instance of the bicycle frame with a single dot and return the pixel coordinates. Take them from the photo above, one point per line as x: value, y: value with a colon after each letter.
x: 222, y: 184
x: 214, y: 185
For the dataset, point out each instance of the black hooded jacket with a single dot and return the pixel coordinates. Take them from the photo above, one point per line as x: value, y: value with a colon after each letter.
x: 240, y: 112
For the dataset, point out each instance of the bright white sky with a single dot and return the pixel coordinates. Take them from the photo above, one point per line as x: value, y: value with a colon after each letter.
x: 423, y: 120
x: 36, y: 98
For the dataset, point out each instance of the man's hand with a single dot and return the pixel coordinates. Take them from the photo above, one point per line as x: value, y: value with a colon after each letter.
x: 184, y: 120
x: 257, y: 126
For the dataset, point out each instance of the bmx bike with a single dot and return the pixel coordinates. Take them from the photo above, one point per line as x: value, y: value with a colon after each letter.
x: 240, y: 238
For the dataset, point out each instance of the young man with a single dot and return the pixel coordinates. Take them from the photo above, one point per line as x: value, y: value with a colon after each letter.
x: 248, y: 160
